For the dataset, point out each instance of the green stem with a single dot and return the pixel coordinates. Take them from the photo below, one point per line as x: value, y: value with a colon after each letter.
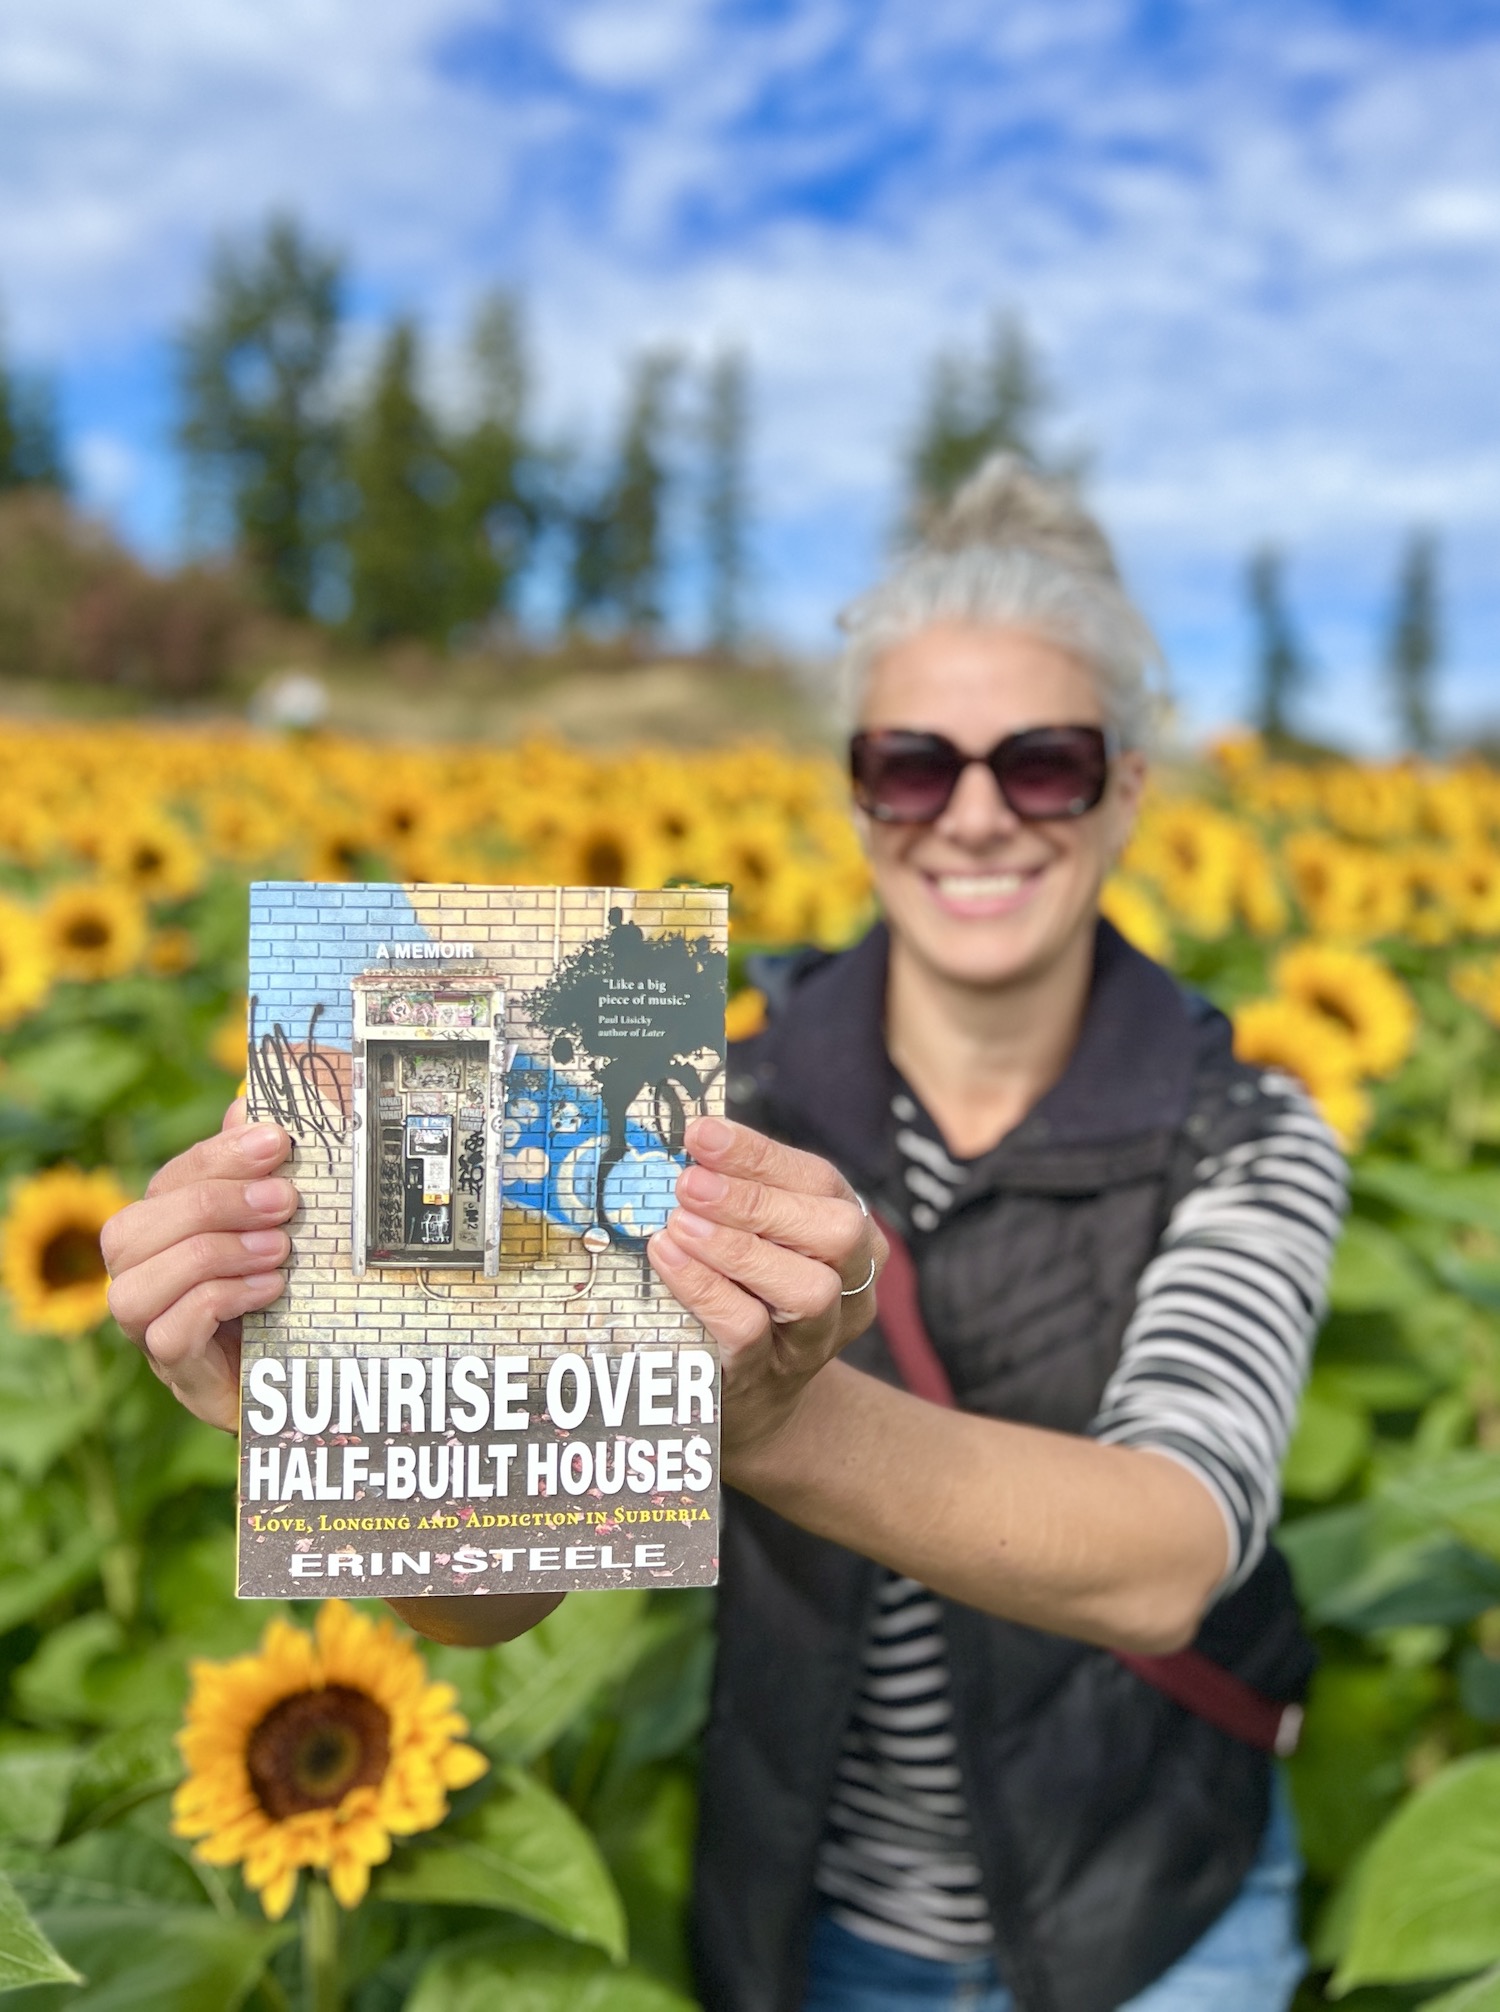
x: 321, y: 1990
x: 119, y: 1568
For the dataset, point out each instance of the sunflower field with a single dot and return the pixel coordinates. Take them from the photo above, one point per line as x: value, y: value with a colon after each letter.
x: 207, y: 1805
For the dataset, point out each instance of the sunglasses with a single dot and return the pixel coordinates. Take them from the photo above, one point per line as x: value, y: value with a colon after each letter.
x: 904, y: 777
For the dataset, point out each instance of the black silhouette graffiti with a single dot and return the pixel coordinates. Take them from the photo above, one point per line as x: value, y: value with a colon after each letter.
x: 299, y: 1088
x: 642, y: 1012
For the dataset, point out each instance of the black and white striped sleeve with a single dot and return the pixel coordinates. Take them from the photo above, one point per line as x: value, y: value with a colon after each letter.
x: 1214, y: 1359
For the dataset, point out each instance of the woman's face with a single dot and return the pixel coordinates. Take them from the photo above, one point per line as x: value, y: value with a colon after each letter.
x: 979, y: 896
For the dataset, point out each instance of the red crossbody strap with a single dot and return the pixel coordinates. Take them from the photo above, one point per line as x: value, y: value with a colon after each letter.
x: 1188, y: 1678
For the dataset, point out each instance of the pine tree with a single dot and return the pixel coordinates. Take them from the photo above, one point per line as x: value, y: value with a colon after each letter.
x: 258, y: 423
x: 496, y: 509
x: 618, y: 564
x: 977, y: 406
x: 1279, y: 663
x: 400, y: 491
x: 1416, y: 641
x: 725, y: 506
x: 640, y: 498
x: 30, y: 447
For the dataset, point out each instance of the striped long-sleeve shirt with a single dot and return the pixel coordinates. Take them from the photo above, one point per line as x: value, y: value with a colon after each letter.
x: 1210, y: 1371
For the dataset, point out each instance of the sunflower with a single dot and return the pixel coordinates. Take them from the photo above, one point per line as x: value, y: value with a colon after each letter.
x: 170, y: 952
x: 25, y: 968
x: 153, y: 855
x: 1436, y: 894
x: 1479, y: 985
x: 230, y: 1039
x: 1191, y: 854
x: 1257, y: 892
x: 1133, y: 912
x: 243, y: 829
x: 1371, y: 803
x: 745, y: 1014
x: 317, y: 1752
x: 1285, y: 1034
x: 1357, y: 992
x: 52, y: 1266
x: 94, y: 930
x: 1350, y: 892
x: 1476, y: 880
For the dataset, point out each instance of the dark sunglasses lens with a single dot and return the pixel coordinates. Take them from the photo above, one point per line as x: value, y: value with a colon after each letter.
x: 904, y: 782
x: 1054, y: 772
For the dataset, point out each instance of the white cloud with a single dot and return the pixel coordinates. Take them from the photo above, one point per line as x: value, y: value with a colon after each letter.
x: 1264, y: 262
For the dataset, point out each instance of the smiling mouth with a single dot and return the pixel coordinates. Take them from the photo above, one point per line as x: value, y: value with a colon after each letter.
x: 971, y: 890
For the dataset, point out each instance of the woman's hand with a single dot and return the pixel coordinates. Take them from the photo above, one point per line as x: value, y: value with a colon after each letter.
x: 766, y: 1243
x: 205, y: 1246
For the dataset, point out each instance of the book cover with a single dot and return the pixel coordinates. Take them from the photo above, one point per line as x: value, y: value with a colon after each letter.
x: 474, y: 1382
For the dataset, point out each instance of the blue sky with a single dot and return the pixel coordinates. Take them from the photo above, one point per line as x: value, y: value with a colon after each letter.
x: 1259, y: 248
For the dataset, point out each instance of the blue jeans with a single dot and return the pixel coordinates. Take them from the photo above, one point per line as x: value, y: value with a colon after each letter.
x: 1249, y: 1961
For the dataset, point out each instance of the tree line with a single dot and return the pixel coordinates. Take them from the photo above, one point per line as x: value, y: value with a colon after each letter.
x: 389, y: 516
x: 395, y: 519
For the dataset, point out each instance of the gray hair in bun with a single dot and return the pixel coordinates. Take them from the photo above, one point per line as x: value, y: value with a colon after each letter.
x: 1016, y: 549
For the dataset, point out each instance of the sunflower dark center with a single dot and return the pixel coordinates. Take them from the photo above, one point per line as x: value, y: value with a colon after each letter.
x: 309, y: 1751
x: 604, y: 861
x: 71, y: 1257
x: 88, y: 932
x: 147, y: 859
x: 1335, y: 1008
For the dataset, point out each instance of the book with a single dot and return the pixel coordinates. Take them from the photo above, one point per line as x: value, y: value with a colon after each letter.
x: 474, y: 1382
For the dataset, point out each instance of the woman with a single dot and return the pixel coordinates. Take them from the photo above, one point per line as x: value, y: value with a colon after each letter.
x: 938, y: 1771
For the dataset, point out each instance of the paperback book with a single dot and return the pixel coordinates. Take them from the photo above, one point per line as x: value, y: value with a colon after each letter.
x: 474, y: 1382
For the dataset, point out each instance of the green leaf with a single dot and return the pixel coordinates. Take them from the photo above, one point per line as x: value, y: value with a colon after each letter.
x: 1469, y: 1196
x: 83, y: 1070
x: 1375, y: 1386
x: 1326, y: 1549
x: 1480, y: 1994
x: 119, y: 1773
x: 26, y: 1956
x: 1430, y: 1582
x: 1374, y: 1270
x: 1460, y: 1491
x: 521, y: 1696
x: 1429, y: 1894
x: 125, y: 1867
x: 35, y: 1776
x: 1478, y: 1279
x: 523, y: 1850
x: 35, y: 1431
x: 1479, y: 1686
x: 23, y: 1594
x: 1346, y: 1773
x: 1328, y: 1446
x: 645, y: 1830
x: 533, y: 1977
x: 158, y: 1959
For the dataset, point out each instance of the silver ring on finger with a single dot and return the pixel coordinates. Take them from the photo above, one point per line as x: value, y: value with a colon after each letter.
x: 855, y: 1291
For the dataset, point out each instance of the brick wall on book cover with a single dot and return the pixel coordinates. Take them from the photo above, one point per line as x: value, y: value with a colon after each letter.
x: 301, y: 984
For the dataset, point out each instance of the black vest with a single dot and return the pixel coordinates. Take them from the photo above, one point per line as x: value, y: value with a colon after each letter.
x: 1112, y: 1827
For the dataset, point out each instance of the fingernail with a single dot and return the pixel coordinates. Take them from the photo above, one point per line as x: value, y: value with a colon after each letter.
x: 665, y: 1253
x: 685, y: 1223
x: 262, y: 1142
x: 702, y: 1184
x: 268, y: 1197
x: 263, y: 1243
x: 710, y: 1135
